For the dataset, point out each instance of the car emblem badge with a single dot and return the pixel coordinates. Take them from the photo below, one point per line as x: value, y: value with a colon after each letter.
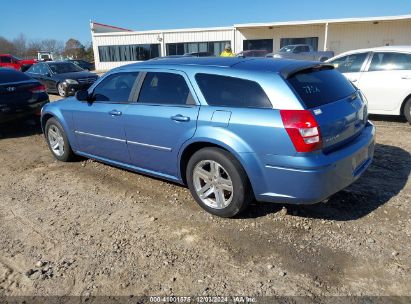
x: 318, y: 112
x: 11, y: 89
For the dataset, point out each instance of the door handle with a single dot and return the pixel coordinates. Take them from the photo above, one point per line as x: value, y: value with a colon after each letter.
x: 180, y: 117
x: 353, y: 80
x: 115, y: 113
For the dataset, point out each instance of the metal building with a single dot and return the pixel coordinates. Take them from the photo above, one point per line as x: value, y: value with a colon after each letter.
x: 114, y: 46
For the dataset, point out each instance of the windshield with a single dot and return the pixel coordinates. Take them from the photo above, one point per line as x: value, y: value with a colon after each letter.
x: 66, y: 67
x: 16, y: 58
x: 287, y: 49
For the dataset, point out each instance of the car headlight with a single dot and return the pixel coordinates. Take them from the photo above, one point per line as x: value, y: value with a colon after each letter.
x: 71, y: 81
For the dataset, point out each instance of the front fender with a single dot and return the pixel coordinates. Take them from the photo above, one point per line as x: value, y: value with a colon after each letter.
x: 64, y: 117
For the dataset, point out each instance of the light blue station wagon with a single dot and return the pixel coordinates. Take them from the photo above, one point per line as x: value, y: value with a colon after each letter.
x: 231, y: 129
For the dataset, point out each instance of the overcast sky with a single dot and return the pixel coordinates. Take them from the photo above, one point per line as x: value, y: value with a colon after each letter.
x: 70, y: 19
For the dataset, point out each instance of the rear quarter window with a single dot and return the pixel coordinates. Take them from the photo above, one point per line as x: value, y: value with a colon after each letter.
x: 227, y: 91
x: 8, y: 75
x: 317, y: 88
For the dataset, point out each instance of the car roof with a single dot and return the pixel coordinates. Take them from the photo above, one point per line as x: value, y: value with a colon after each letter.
x: 390, y: 48
x: 283, y: 66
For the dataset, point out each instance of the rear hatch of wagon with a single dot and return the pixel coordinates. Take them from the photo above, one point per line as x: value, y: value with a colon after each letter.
x: 338, y: 107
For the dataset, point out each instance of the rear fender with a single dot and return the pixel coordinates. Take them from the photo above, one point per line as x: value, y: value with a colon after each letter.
x: 229, y: 141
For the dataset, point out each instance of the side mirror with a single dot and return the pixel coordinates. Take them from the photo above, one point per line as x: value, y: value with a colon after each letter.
x: 82, y: 95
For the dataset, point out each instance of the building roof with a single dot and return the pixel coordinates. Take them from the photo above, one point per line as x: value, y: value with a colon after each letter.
x: 104, y: 29
x: 97, y: 27
x: 324, y: 21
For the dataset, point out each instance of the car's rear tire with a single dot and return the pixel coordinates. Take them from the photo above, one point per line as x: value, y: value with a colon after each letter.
x: 407, y: 110
x: 61, y: 90
x: 57, y: 141
x: 218, y: 182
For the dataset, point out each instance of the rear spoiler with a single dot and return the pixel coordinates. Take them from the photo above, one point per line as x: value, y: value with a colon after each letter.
x: 294, y: 69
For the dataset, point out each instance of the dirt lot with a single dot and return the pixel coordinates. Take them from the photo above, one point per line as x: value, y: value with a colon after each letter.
x: 85, y: 228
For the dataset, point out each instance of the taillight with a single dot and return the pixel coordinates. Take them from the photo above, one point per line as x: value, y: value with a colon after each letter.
x: 303, y: 129
x: 38, y: 89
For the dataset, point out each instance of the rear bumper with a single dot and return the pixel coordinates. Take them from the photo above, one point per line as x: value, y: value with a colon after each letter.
x: 312, y: 179
x: 9, y: 114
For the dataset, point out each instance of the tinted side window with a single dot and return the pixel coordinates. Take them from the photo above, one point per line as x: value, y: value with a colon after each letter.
x: 351, y: 63
x: 35, y: 69
x: 232, y: 92
x: 43, y: 69
x: 5, y: 59
x: 115, y: 88
x: 321, y: 87
x: 164, y: 88
x: 390, y: 61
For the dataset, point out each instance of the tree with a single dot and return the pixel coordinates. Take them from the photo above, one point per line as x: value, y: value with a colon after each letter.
x: 6, y: 47
x: 52, y: 45
x: 20, y: 43
x: 33, y: 47
x: 89, y: 54
x: 74, y: 49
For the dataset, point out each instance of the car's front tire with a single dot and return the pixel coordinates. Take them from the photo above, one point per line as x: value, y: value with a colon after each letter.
x: 218, y: 182
x: 61, y: 90
x: 407, y: 110
x: 57, y: 141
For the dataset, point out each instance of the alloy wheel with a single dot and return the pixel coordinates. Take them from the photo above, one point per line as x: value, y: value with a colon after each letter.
x: 61, y: 90
x: 56, y: 140
x: 213, y: 184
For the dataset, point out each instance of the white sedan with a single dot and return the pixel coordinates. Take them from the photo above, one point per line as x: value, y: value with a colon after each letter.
x: 383, y: 74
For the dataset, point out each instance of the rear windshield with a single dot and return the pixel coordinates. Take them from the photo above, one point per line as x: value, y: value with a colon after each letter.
x: 318, y: 88
x: 8, y: 75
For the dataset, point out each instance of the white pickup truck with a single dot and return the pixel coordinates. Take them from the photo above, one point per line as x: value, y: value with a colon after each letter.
x: 301, y: 52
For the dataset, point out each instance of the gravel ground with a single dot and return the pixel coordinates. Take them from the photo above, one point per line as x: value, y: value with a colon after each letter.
x: 85, y: 228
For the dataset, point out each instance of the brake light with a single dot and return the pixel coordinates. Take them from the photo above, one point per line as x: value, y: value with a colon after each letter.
x: 38, y: 89
x: 303, y: 129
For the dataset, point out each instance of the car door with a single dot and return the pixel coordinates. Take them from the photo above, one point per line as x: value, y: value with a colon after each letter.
x: 46, y: 79
x: 99, y: 124
x: 351, y: 65
x: 386, y: 82
x: 162, y: 118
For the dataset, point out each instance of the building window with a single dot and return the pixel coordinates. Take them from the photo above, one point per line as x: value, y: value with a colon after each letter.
x: 133, y: 52
x: 313, y: 41
x: 213, y: 48
x: 258, y: 44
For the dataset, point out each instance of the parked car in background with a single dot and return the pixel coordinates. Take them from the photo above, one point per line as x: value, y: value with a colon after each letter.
x: 85, y: 65
x: 383, y: 74
x: 12, y: 62
x: 20, y: 96
x: 253, y: 53
x: 232, y: 129
x: 63, y: 78
x: 301, y: 52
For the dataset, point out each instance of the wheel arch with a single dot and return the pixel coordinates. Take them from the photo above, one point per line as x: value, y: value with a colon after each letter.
x: 189, y: 149
x: 64, y: 121
x: 403, y: 104
x: 44, y: 118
